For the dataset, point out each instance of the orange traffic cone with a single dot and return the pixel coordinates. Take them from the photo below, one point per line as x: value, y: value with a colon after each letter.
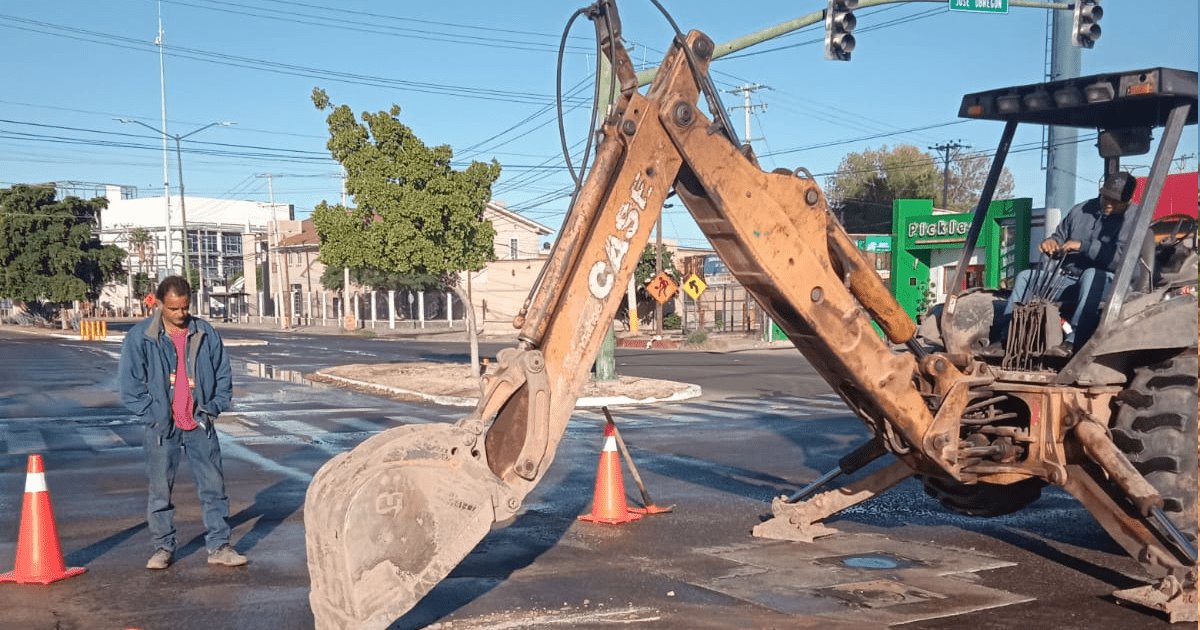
x: 608, y: 501
x: 39, y: 557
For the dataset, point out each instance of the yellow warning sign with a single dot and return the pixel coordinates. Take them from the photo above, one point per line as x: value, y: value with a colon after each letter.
x: 662, y: 288
x: 694, y: 286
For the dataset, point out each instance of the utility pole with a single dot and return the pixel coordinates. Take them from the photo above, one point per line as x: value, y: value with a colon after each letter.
x: 658, y: 247
x: 349, y: 318
x: 162, y: 89
x: 1062, y: 152
x: 187, y: 262
x: 747, y: 108
x: 746, y: 90
x: 129, y: 270
x: 944, y: 149
x: 285, y: 289
x: 1183, y: 162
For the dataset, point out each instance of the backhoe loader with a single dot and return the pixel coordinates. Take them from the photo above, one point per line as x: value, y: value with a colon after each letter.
x: 1114, y: 424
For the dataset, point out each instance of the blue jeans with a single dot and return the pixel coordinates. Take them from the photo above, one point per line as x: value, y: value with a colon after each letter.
x: 204, y: 458
x: 1089, y: 288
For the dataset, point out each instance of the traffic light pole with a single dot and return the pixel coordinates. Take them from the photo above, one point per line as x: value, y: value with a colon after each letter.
x: 739, y: 44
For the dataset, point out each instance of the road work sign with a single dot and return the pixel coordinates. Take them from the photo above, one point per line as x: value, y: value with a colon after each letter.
x: 662, y: 288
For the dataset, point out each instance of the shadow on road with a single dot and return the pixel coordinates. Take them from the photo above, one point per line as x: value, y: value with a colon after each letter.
x: 506, y: 550
x: 85, y: 556
x: 272, y: 506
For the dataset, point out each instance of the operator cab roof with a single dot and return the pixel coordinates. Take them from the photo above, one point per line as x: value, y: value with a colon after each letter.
x: 1110, y: 100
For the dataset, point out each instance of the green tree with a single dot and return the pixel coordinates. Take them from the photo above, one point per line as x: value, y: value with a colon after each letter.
x: 143, y: 285
x: 863, y: 189
x: 866, y: 183
x: 49, y: 251
x: 648, y: 264
x: 141, y: 244
x: 413, y: 212
x: 642, y: 275
x: 968, y: 173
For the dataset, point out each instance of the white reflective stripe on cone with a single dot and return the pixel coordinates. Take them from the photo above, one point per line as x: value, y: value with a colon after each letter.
x: 35, y: 482
x: 610, y: 444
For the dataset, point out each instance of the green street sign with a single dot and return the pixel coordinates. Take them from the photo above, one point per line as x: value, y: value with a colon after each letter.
x: 980, y: 6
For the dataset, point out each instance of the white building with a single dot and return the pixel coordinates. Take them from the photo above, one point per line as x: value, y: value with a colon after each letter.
x: 498, y: 290
x: 213, y: 229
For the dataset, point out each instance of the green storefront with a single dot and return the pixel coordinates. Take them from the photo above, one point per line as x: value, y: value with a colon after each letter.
x: 926, y: 248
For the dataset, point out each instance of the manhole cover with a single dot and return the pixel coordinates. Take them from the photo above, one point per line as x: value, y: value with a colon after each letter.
x: 873, y: 561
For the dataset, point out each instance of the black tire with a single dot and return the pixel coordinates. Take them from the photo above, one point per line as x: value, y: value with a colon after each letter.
x: 983, y: 499
x: 1156, y: 429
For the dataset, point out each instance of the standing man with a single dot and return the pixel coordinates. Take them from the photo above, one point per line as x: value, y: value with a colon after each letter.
x: 175, y: 376
x: 1090, y: 240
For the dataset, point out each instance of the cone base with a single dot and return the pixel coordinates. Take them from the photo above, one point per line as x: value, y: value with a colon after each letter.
x: 632, y: 514
x: 12, y: 576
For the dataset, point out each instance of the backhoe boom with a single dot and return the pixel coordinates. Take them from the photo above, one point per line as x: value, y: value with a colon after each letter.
x: 390, y: 519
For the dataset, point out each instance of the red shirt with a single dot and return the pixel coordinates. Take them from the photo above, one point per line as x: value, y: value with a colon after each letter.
x: 181, y: 402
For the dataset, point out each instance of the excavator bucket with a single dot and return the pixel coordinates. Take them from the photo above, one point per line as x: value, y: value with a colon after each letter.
x: 397, y: 514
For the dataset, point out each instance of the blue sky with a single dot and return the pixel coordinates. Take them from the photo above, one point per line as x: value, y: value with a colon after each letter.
x: 466, y: 73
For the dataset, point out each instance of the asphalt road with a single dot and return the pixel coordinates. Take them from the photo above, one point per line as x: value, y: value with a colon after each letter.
x: 765, y: 426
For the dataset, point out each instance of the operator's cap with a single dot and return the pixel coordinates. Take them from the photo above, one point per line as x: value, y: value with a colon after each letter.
x: 1118, y: 187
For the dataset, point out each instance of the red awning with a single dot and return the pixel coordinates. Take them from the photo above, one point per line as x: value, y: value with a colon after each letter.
x: 1179, y: 194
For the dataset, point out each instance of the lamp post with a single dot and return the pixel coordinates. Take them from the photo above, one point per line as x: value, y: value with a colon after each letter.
x: 182, y: 202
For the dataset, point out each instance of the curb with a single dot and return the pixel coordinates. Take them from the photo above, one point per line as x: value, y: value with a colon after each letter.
x: 691, y: 391
x: 120, y: 337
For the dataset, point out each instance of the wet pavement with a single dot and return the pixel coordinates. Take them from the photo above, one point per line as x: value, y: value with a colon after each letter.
x: 899, y: 559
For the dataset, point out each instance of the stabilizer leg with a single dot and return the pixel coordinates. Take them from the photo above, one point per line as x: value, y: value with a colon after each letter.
x: 801, y: 521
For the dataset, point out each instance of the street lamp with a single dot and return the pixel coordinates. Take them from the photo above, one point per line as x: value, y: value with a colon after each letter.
x: 182, y: 202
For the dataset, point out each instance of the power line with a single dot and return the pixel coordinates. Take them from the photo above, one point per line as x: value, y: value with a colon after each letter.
x: 374, y: 28
x: 818, y: 26
x: 196, y: 54
x: 822, y: 145
x: 490, y: 29
x: 945, y: 148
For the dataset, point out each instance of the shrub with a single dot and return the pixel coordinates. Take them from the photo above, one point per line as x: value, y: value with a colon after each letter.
x: 672, y: 322
x: 696, y: 338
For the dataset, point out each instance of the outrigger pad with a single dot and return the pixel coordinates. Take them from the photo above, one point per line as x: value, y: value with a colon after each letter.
x: 1179, y: 602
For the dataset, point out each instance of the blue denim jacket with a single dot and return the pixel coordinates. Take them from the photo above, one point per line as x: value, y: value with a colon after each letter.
x: 1100, y: 237
x: 148, y: 360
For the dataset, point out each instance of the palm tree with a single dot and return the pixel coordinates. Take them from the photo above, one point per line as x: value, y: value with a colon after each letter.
x: 143, y: 245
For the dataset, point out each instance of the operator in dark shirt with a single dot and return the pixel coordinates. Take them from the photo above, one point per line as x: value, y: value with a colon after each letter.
x: 1090, y: 239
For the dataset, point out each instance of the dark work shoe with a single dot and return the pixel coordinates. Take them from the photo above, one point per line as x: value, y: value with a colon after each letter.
x: 994, y: 350
x: 1061, y: 351
x: 160, y: 560
x: 225, y: 555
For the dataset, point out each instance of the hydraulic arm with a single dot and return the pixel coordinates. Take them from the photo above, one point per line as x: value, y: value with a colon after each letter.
x: 390, y: 519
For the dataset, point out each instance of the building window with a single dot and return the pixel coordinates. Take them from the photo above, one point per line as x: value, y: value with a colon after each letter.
x: 512, y: 249
x: 233, y: 267
x: 209, y: 241
x: 232, y: 244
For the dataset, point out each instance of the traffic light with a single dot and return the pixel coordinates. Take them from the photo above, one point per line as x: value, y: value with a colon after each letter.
x: 839, y: 23
x: 1086, y: 28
